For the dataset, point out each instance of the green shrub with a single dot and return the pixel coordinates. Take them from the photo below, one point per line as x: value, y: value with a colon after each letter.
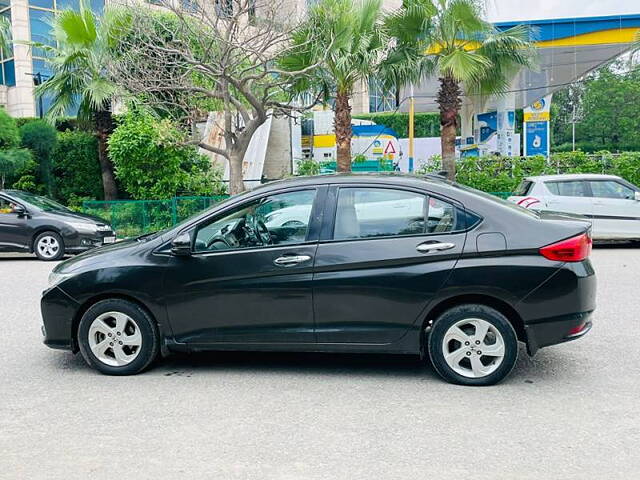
x: 41, y: 138
x: 9, y: 133
x: 308, y: 167
x: 152, y: 162
x: 76, y: 168
x: 503, y: 174
x: 13, y: 162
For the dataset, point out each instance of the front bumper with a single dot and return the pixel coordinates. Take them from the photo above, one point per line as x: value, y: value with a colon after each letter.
x: 79, y: 243
x: 58, y: 312
x: 557, y: 330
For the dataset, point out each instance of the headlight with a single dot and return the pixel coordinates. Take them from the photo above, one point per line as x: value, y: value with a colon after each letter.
x: 85, y: 227
x: 104, y: 228
x: 55, y: 278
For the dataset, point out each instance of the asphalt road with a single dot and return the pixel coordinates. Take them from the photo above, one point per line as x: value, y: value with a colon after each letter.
x: 570, y: 412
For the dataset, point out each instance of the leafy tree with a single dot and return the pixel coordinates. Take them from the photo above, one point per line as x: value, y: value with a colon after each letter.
x: 41, y: 138
x: 346, y: 39
x: 76, y: 167
x: 450, y: 39
x: 81, y: 49
x: 12, y: 161
x: 9, y: 133
x: 151, y: 162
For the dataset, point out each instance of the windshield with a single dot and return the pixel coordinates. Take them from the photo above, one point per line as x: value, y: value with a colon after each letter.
x: 43, y: 203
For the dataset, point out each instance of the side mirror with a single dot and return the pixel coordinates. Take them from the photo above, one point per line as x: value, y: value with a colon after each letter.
x: 636, y: 196
x: 181, y: 245
x: 19, y: 210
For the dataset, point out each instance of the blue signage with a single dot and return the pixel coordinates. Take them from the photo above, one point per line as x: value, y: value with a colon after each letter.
x: 537, y: 138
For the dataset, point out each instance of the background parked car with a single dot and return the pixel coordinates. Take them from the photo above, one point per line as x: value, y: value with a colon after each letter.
x: 36, y: 224
x: 610, y: 203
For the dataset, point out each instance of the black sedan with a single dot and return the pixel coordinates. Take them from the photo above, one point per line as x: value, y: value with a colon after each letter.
x: 36, y: 224
x: 344, y: 263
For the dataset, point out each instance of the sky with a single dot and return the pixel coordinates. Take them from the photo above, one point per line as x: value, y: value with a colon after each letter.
x: 505, y: 10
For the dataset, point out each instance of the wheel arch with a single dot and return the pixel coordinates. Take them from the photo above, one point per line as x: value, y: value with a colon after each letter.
x: 490, y: 301
x: 105, y: 296
x: 42, y: 229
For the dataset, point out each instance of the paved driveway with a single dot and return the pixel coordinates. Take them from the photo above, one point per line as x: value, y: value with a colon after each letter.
x: 571, y: 412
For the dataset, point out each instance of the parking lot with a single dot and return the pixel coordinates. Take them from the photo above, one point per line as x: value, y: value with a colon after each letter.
x: 570, y: 412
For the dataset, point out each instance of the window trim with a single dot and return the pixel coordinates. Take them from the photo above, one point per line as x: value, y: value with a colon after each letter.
x: 331, y: 205
x: 312, y: 230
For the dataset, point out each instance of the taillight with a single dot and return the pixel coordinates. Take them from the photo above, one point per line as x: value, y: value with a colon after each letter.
x: 573, y: 249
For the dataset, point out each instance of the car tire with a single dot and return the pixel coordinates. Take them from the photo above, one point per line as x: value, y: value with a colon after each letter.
x: 48, y: 246
x: 472, y: 344
x: 118, y: 337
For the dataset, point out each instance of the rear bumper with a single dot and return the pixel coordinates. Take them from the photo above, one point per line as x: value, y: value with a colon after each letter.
x: 58, y: 312
x: 557, y: 330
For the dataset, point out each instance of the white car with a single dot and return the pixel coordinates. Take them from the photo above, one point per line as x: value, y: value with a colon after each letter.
x: 611, y: 203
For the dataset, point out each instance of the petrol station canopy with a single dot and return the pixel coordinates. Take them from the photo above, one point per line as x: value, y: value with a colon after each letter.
x: 568, y: 49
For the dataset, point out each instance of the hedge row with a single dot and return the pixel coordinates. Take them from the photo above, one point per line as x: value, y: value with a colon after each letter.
x: 503, y: 174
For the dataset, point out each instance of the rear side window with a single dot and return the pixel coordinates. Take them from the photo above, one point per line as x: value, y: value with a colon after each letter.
x: 378, y: 212
x: 567, y: 189
x: 611, y: 189
x: 524, y: 188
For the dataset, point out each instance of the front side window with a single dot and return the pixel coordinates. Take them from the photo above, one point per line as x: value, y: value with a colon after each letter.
x: 280, y: 219
x: 611, y: 189
x: 567, y: 189
x: 6, y: 206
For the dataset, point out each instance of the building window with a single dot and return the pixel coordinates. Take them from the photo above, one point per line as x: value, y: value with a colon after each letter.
x: 7, y: 65
x: 380, y: 100
x: 224, y: 8
x: 41, y: 13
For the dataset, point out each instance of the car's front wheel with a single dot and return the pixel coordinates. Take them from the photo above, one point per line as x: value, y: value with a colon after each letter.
x: 49, y: 246
x: 118, y: 337
x: 473, y: 344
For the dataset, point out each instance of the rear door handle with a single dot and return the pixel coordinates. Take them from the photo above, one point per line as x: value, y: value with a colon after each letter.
x: 434, y: 247
x: 291, y: 260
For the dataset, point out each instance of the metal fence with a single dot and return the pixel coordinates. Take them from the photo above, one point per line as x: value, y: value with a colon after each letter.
x: 131, y: 218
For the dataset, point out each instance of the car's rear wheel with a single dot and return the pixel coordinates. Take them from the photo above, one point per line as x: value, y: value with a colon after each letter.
x: 473, y: 344
x: 118, y: 337
x: 49, y: 246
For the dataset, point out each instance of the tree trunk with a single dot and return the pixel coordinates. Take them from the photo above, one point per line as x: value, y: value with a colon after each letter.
x: 449, y: 103
x: 104, y: 128
x: 236, y: 182
x: 342, y: 127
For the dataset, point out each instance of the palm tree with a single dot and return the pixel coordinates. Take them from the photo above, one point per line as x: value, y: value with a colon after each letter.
x: 82, y: 48
x: 345, y: 39
x: 450, y: 39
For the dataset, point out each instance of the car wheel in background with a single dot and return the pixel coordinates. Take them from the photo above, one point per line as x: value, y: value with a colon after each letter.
x: 118, y: 337
x: 473, y: 344
x: 49, y: 246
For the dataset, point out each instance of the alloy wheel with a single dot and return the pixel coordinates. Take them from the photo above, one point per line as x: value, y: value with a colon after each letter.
x: 473, y: 348
x: 48, y: 246
x: 115, y: 339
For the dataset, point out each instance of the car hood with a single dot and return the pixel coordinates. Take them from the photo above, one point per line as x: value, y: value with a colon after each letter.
x: 98, y: 257
x: 77, y: 217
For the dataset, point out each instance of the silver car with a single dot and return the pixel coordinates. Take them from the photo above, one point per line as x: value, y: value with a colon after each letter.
x: 611, y: 203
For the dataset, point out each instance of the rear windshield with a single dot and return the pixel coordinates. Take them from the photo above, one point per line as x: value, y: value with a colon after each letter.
x: 498, y: 200
x: 524, y: 188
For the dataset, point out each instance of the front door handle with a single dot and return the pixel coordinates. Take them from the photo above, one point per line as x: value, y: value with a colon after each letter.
x: 434, y: 247
x: 291, y: 260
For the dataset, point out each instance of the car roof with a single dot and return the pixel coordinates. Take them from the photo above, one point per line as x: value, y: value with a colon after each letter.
x: 389, y: 178
x: 572, y: 176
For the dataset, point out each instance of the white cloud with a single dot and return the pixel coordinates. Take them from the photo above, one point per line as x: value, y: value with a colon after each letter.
x: 506, y: 10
